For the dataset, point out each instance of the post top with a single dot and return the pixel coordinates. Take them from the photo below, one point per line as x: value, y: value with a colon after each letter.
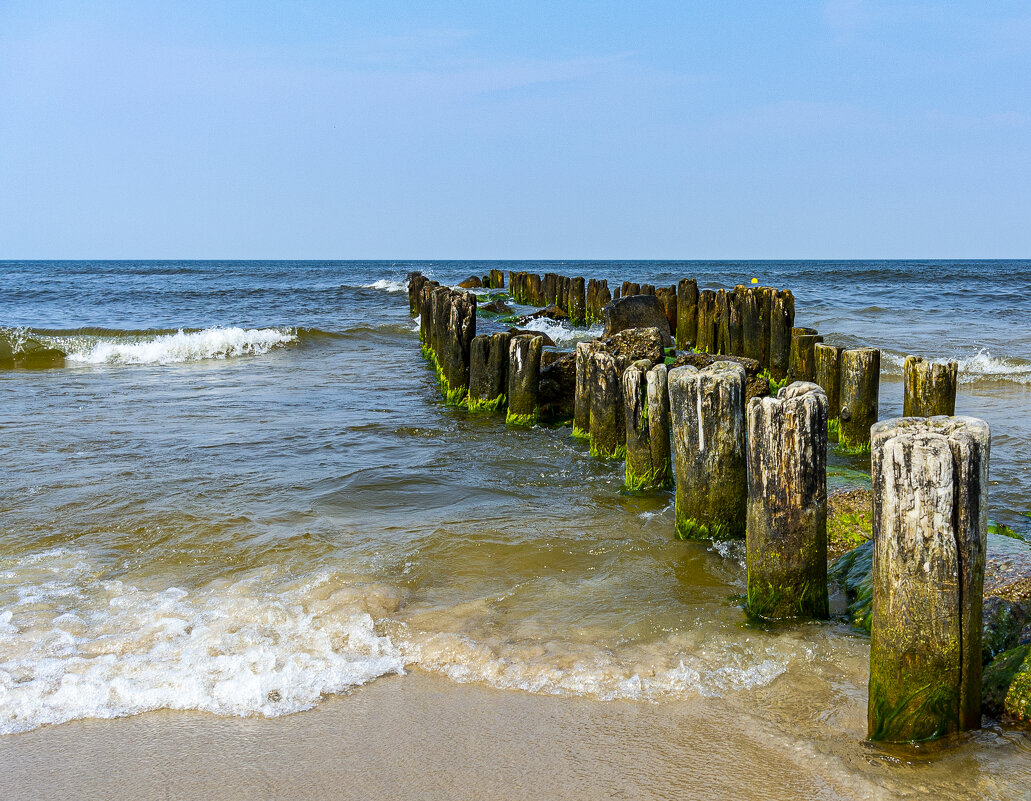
x: 951, y: 427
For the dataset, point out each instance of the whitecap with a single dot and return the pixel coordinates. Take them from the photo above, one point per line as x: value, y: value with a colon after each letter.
x: 211, y: 343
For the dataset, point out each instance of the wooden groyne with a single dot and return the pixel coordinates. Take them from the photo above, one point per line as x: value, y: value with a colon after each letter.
x: 718, y: 395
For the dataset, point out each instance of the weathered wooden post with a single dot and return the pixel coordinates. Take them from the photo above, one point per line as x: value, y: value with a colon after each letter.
x: 751, y: 332
x: 722, y: 323
x: 524, y: 369
x: 687, y: 313
x: 707, y: 410
x: 607, y: 428
x: 860, y: 387
x: 802, y: 356
x: 497, y: 279
x: 828, y: 376
x: 930, y: 388
x: 766, y: 296
x: 787, y: 504
x: 615, y: 293
x: 782, y: 319
x: 582, y: 391
x: 647, y: 427
x: 668, y: 300
x: 479, y: 358
x: 578, y: 302
x: 706, y: 332
x: 488, y: 371
x: 930, y: 520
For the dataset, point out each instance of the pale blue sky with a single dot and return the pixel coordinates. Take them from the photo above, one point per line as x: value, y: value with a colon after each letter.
x: 841, y: 129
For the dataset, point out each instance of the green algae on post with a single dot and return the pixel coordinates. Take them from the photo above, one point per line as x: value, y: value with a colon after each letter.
x: 930, y: 388
x: 930, y: 480
x: 582, y: 389
x: 646, y: 414
x: 524, y: 367
x: 707, y: 411
x: 787, y: 504
x: 860, y: 385
x: 607, y: 426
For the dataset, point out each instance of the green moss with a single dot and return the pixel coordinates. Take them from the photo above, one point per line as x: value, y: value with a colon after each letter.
x: 652, y: 480
x: 669, y: 361
x: 453, y: 396
x: 833, y: 428
x: 1003, y: 530
x: 850, y: 528
x: 773, y: 603
x: 521, y: 420
x: 579, y: 433
x: 690, y: 529
x: 1006, y: 687
x: 618, y: 453
x: 476, y: 405
x: 853, y: 572
x: 775, y: 386
x: 851, y: 449
x: 925, y: 712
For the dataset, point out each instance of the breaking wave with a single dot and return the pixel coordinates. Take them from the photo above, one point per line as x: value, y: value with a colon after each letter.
x: 45, y: 348
x: 387, y: 285
x: 562, y: 333
x: 978, y: 367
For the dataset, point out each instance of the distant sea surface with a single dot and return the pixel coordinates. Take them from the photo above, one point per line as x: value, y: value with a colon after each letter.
x: 232, y: 487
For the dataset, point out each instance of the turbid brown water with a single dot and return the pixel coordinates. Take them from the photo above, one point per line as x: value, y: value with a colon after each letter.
x: 243, y: 522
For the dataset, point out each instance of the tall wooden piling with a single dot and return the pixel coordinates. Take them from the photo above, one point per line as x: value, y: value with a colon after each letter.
x: 782, y: 320
x: 828, y: 376
x: 706, y: 332
x: 722, y: 323
x: 766, y: 296
x: 930, y: 388
x: 582, y: 391
x: 524, y: 369
x: 860, y: 387
x: 646, y: 414
x: 802, y: 356
x: 668, y: 300
x: 787, y: 504
x: 687, y: 313
x: 751, y: 331
x: 488, y: 371
x: 607, y: 427
x: 930, y: 507
x: 707, y: 410
x: 577, y: 302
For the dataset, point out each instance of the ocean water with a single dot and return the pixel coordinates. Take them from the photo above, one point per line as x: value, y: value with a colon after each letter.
x: 232, y: 487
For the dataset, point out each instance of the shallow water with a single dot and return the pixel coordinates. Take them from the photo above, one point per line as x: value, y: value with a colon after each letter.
x: 273, y: 506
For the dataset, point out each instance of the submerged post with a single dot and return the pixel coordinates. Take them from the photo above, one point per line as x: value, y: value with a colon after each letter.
x: 647, y: 427
x: 787, y: 504
x: 860, y: 385
x: 930, y: 388
x: 582, y: 390
x: 607, y: 429
x: 707, y: 410
x: 524, y: 369
x: 930, y: 507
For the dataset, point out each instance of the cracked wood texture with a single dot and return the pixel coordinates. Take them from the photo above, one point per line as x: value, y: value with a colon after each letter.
x: 607, y: 429
x: 582, y: 392
x: 828, y: 376
x: 646, y: 414
x: 524, y: 371
x: 782, y: 319
x: 787, y: 504
x: 707, y: 413
x: 930, y: 485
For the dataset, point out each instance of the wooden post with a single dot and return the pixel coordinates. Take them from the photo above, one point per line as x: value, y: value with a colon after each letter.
x: 751, y: 332
x: 706, y: 334
x: 787, y: 504
x: 930, y: 388
x: 707, y: 410
x: 647, y: 427
x: 668, y: 300
x: 766, y: 296
x: 578, y: 302
x: 828, y: 376
x: 524, y: 369
x: 782, y: 319
x: 687, y: 313
x: 930, y: 519
x: 722, y: 323
x: 582, y: 391
x: 860, y: 386
x: 802, y: 357
x: 607, y: 429
x: 479, y: 358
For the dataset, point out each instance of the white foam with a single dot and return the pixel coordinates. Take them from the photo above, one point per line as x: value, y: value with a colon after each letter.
x: 211, y: 343
x: 562, y: 333
x: 387, y: 285
x: 114, y: 649
x: 974, y: 368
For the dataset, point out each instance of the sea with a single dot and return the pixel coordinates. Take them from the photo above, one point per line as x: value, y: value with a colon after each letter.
x: 231, y: 487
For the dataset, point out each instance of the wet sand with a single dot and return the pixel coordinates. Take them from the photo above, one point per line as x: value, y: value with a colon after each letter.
x: 421, y: 736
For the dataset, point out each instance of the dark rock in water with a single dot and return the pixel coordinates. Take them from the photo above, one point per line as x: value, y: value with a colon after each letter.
x: 472, y: 282
x: 853, y: 572
x: 551, y: 355
x: 552, y: 313
x: 558, y: 387
x: 637, y: 343
x: 548, y: 341
x: 636, y: 311
x: 755, y: 387
x: 1006, y: 685
x: 496, y: 307
x: 1004, y: 622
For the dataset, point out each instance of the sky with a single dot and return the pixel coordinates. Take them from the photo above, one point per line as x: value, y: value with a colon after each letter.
x: 495, y: 130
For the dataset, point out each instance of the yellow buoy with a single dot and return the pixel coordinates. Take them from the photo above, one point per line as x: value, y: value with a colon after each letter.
x: 755, y: 280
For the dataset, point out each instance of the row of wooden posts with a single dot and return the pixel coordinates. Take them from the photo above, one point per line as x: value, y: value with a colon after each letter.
x: 758, y: 470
